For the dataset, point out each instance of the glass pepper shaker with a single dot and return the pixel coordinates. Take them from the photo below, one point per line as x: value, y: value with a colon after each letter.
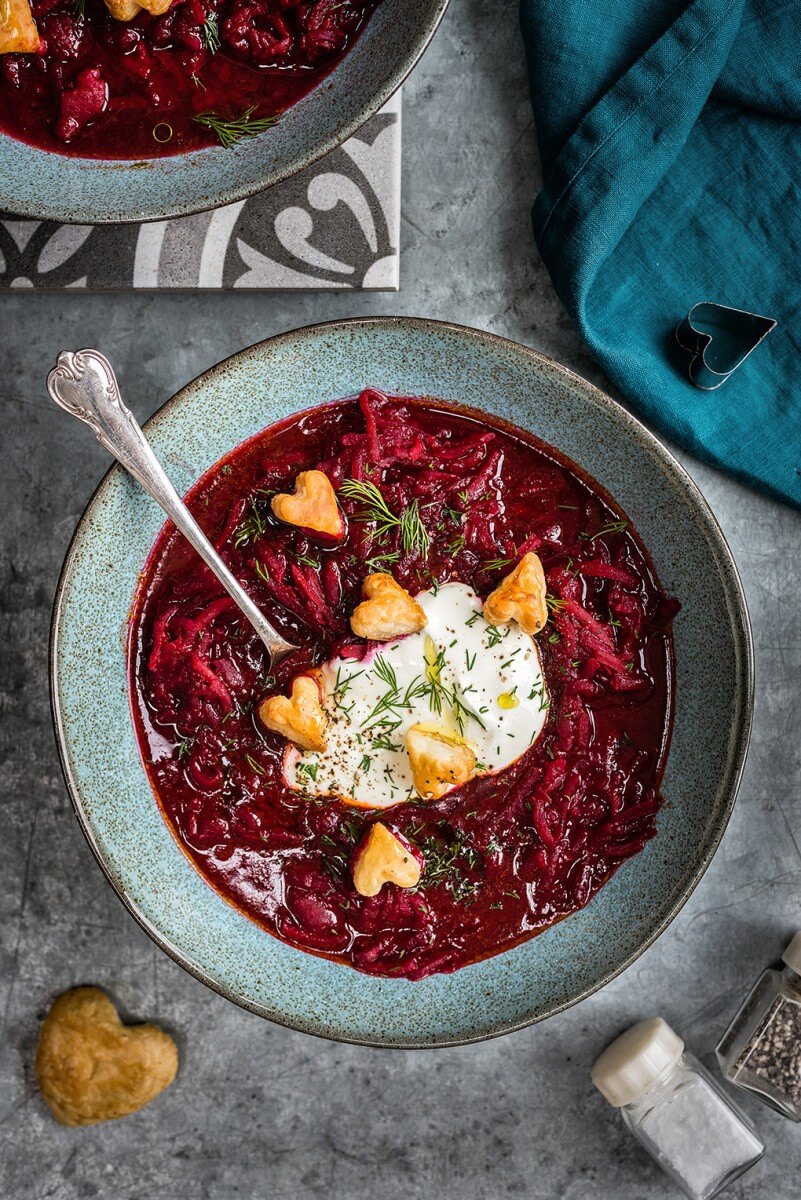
x: 761, y: 1049
x: 676, y: 1110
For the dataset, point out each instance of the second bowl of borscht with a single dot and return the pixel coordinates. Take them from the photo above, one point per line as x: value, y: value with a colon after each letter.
x: 112, y: 110
x: 509, y: 738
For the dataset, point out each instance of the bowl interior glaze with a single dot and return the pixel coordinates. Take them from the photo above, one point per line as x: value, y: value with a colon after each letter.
x: 112, y: 795
x: 55, y: 187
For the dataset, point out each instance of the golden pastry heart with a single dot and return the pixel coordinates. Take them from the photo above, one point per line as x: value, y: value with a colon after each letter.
x: 383, y: 858
x: 388, y: 612
x: 18, y: 33
x: 439, y: 760
x: 520, y: 596
x: 92, y: 1068
x: 313, y: 505
x: 300, y: 717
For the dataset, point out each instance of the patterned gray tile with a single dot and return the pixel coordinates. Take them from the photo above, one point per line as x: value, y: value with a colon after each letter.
x: 333, y: 226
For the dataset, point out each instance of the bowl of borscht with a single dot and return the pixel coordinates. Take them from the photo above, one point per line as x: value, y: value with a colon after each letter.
x: 509, y: 738
x: 113, y: 111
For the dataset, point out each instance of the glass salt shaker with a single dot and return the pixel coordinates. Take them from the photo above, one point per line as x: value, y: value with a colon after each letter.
x: 761, y: 1049
x: 676, y: 1110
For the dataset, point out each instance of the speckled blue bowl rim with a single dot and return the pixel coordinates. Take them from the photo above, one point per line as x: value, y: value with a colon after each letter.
x: 45, y: 186
x: 617, y: 893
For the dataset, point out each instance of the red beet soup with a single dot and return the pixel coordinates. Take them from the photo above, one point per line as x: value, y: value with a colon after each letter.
x: 506, y: 854
x: 201, y: 73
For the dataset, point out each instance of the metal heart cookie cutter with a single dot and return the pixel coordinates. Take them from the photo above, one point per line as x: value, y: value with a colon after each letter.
x: 719, y: 339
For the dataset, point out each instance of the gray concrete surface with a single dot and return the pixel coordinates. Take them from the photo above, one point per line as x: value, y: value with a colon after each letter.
x: 257, y: 1111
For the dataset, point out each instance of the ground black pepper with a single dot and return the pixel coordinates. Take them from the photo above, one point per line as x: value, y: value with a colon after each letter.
x: 773, y: 1052
x: 761, y: 1049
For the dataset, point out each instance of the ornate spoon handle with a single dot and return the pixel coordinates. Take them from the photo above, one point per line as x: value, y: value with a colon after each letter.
x: 85, y: 385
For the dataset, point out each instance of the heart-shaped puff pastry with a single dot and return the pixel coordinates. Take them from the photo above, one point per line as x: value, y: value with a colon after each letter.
x: 92, y: 1068
x: 439, y: 761
x: 388, y: 612
x: 18, y: 32
x: 381, y: 858
x: 300, y: 718
x: 313, y: 505
x: 520, y: 597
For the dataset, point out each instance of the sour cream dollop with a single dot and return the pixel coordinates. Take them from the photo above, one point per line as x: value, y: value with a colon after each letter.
x: 475, y: 681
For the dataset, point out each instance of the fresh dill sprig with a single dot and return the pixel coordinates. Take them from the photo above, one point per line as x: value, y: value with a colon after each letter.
x: 379, y: 561
x: 413, y: 533
x: 229, y: 132
x: 385, y: 712
x: 554, y: 604
x: 374, y: 507
x: 261, y: 570
x: 210, y: 33
x: 456, y: 546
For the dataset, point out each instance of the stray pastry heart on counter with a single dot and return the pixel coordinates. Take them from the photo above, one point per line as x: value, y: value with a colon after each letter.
x: 91, y: 1068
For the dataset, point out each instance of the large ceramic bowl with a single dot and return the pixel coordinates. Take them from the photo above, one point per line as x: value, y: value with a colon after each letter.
x: 111, y: 793
x: 35, y: 183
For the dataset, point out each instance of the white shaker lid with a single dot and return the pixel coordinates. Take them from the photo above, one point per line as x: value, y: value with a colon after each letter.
x: 636, y: 1060
x: 792, y: 955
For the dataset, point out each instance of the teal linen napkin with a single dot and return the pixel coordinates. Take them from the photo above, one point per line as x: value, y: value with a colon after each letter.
x: 671, y: 153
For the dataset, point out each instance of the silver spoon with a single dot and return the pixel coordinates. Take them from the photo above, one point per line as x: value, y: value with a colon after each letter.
x: 85, y: 385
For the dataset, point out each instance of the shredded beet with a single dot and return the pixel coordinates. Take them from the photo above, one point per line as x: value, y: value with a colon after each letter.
x: 505, y: 855
x: 157, y: 73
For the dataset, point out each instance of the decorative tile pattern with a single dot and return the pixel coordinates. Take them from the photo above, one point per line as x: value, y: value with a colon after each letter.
x: 334, y: 225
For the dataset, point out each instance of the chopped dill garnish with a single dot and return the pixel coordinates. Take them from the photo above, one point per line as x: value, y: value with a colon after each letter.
x: 554, y: 603
x: 456, y: 546
x: 198, y: 82
x: 210, y: 33
x: 229, y: 132
x: 612, y: 527
x: 184, y: 746
x: 495, y: 564
x: 261, y: 570
x: 255, y: 766
x: 384, y: 742
x: 447, y: 864
x: 364, y: 765
x: 307, y: 561
x: 251, y: 527
x: 469, y: 661
x: 307, y: 769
